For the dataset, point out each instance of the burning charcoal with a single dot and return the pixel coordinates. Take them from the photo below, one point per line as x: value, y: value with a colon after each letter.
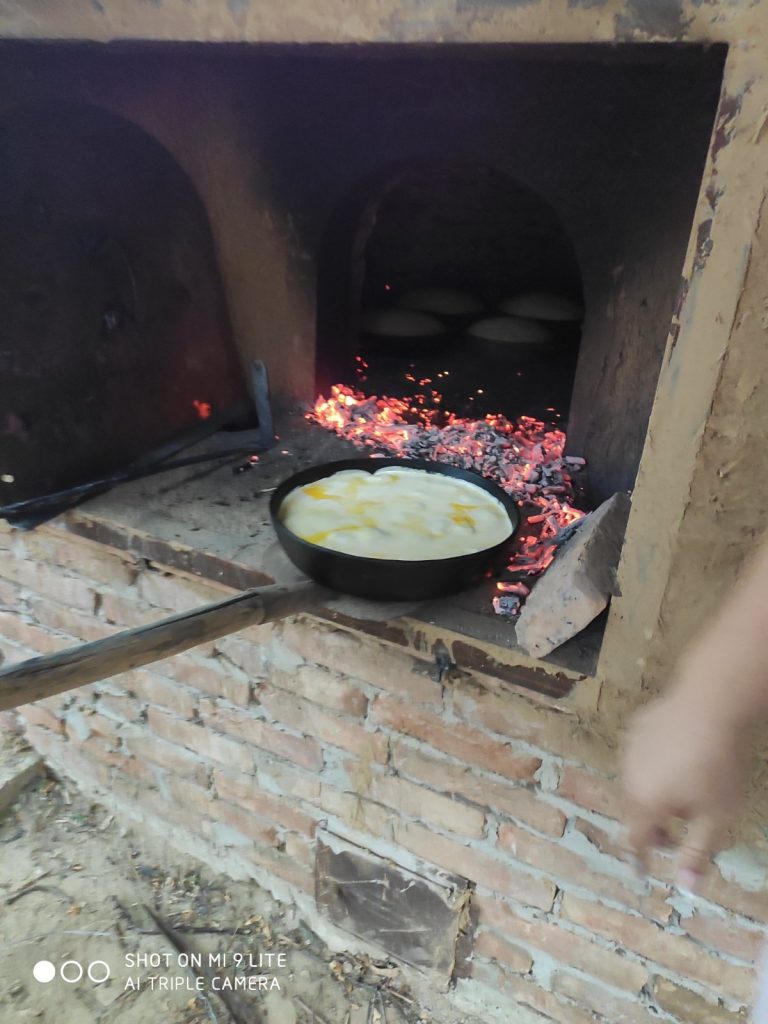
x: 518, y: 588
x: 525, y: 458
x: 250, y: 462
x: 516, y: 575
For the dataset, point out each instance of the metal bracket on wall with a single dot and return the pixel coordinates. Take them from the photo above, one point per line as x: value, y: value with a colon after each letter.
x: 252, y: 439
x: 444, y: 663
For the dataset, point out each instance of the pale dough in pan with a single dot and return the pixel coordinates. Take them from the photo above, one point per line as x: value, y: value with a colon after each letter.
x: 394, y: 513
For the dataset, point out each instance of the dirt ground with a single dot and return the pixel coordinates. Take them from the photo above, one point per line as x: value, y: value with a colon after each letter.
x: 76, y: 886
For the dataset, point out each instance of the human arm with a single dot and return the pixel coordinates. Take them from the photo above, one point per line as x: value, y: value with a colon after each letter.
x: 686, y: 753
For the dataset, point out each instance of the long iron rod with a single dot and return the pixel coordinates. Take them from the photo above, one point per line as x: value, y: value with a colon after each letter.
x: 50, y: 674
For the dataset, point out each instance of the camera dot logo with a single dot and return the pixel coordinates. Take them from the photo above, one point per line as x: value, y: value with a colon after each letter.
x: 71, y: 971
x: 103, y: 970
x: 44, y: 971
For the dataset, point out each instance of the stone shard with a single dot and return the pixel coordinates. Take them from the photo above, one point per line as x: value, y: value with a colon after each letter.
x: 18, y: 767
x: 579, y: 583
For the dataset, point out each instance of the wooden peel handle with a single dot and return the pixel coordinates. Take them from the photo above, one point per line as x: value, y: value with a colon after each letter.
x: 49, y: 674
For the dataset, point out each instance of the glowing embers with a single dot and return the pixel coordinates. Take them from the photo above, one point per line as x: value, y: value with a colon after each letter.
x: 203, y: 409
x: 526, y: 458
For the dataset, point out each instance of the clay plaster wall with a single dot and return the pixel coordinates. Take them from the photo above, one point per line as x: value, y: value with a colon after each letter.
x: 726, y: 515
x: 389, y: 20
x: 691, y: 527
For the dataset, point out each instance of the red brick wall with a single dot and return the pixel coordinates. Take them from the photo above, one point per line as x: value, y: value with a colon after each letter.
x: 244, y: 746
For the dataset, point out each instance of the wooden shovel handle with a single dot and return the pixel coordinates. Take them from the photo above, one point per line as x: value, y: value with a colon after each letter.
x: 49, y: 674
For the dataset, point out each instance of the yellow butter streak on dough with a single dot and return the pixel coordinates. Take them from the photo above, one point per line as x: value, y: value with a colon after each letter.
x: 396, y: 513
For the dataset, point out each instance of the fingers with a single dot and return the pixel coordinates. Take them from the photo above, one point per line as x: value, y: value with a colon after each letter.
x: 649, y: 828
x: 697, y: 847
x: 646, y: 830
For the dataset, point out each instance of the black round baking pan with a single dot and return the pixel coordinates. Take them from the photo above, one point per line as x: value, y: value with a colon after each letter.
x: 381, y: 579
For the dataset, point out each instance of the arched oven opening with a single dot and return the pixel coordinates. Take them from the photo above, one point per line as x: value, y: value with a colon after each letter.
x: 457, y: 279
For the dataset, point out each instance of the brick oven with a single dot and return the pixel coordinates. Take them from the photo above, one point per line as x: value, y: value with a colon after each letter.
x: 613, y: 150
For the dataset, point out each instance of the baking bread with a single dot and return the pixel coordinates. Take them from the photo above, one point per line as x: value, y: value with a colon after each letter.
x: 543, y: 306
x: 510, y: 330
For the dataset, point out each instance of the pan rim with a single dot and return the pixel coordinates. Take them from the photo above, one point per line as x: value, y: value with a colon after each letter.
x: 370, y: 464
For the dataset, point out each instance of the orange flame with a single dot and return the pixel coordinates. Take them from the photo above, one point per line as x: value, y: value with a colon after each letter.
x: 203, y: 409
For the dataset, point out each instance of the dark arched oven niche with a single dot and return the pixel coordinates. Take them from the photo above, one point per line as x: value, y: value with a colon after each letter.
x: 459, y: 226
x: 116, y: 340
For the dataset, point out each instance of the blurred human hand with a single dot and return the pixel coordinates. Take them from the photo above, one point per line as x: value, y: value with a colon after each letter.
x: 684, y: 760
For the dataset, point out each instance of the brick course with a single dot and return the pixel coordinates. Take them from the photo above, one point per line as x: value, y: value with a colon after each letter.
x: 498, y: 875
x: 322, y: 686
x: 258, y: 733
x: 473, y: 746
x: 569, y: 948
x: 685, y: 1005
x: 569, y: 868
x: 332, y: 728
x: 493, y: 793
x: 417, y: 802
x: 615, y: 1008
x: 493, y: 947
x: 674, y: 952
x: 595, y: 792
x: 372, y: 662
x: 524, y: 992
x: 727, y: 936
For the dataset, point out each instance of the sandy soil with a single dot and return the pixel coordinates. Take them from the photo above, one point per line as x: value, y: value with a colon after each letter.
x: 76, y: 886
